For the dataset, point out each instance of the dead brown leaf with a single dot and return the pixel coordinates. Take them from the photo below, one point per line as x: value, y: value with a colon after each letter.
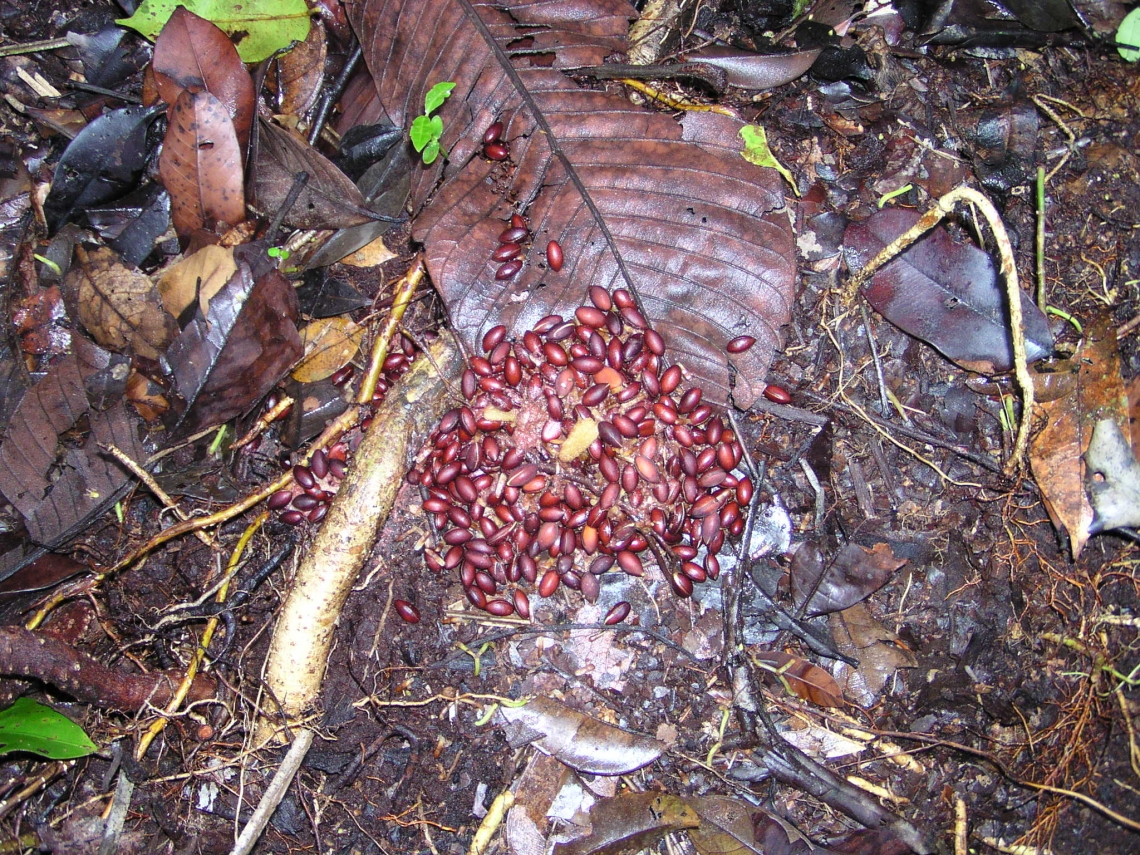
x: 801, y: 677
x: 201, y: 164
x: 196, y: 278
x: 329, y: 343
x: 1056, y: 453
x: 878, y: 650
x: 301, y: 71
x: 118, y: 306
x: 733, y: 827
x: 630, y: 822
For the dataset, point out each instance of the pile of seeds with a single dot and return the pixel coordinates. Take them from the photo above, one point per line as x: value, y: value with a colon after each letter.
x: 578, y: 453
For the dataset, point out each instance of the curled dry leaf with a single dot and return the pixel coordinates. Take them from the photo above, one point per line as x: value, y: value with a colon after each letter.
x: 329, y: 343
x: 944, y: 292
x: 194, y: 280
x: 801, y: 677
x: 1056, y: 451
x: 630, y: 822
x: 228, y: 358
x: 631, y: 195
x: 581, y: 742
x: 201, y: 164
x: 733, y: 827
x: 329, y: 200
x: 119, y: 306
x: 879, y: 651
x: 192, y: 53
x: 853, y: 575
x: 751, y: 70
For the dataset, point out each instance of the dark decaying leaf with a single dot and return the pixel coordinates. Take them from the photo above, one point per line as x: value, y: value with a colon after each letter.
x: 878, y: 650
x: 733, y: 827
x: 134, y: 223
x: 751, y: 70
x: 118, y: 305
x: 329, y: 200
x: 103, y: 162
x: 801, y: 677
x: 672, y: 208
x: 631, y: 822
x: 49, y: 569
x: 54, y: 486
x: 944, y: 292
x: 385, y: 187
x: 324, y: 296
x: 1048, y: 16
x: 192, y: 53
x: 301, y: 71
x: 581, y: 742
x: 201, y: 164
x: 227, y: 360
x: 820, y: 587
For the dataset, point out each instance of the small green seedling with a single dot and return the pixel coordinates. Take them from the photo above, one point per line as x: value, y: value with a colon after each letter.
x: 427, y: 129
x: 278, y: 252
x: 756, y: 151
x: 37, y: 729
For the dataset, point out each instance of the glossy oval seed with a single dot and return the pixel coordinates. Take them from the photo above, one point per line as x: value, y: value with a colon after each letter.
x: 512, y: 235
x: 469, y: 384
x: 493, y: 337
x: 554, y: 255
x: 508, y: 270
x: 600, y: 297
x: 671, y: 379
x: 740, y: 344
x: 521, y: 603
x: 689, y: 400
x: 303, y: 476
x: 493, y: 133
x: 777, y: 395
x: 292, y: 517
x: 517, y: 221
x: 626, y: 426
x: 682, y: 584
x: 591, y: 316
x: 655, y: 342
x: 623, y: 299
x: 506, y: 252
x: 744, y: 491
x: 617, y: 614
x: 280, y: 499
x: 475, y: 596
x: 496, y: 151
x: 630, y: 563
x: 407, y: 611
x: 554, y: 354
x: 549, y: 583
x: 610, y: 434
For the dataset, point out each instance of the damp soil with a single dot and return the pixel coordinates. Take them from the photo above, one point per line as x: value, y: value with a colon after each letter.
x: 1006, y: 646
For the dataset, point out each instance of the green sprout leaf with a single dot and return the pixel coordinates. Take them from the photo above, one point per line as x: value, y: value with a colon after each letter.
x: 431, y: 152
x: 436, y: 96
x: 261, y: 27
x: 1128, y: 36
x: 37, y: 729
x: 756, y: 151
x: 421, y: 132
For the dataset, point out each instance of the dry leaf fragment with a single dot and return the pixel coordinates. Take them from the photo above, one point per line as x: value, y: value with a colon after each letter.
x: 196, y: 278
x: 201, y: 164
x: 581, y: 742
x: 878, y: 650
x: 1056, y: 453
x: 630, y: 822
x: 329, y: 344
x: 799, y: 676
x: 733, y: 827
x: 118, y: 306
x: 853, y: 575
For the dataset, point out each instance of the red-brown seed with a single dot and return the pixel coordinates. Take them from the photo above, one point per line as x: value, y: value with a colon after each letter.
x: 508, y: 270
x: 493, y: 133
x: 591, y: 316
x: 630, y: 563
x: 703, y: 507
x: 628, y: 393
x: 682, y: 584
x: 506, y: 252
x: 610, y: 468
x: 469, y: 384
x: 484, y: 579
x: 554, y: 354
x: 342, y: 375
x: 588, y: 364
x: 689, y: 400
x: 303, y: 476
x: 664, y: 413
x: 615, y: 324
x: 496, y: 151
x: 671, y: 379
x: 628, y: 478
x: 512, y: 371
x: 610, y: 434
x: 589, y: 586
x: 710, y: 527
x: 634, y: 318
x: 457, y: 536
x: 465, y: 489
x: 482, y: 366
x: 319, y: 463
x: 494, y: 336
x: 609, y: 496
x: 477, y: 597
x: 554, y: 255
x: 549, y: 583
x: 292, y: 517
x: 522, y: 604
x: 617, y: 614
x: 700, y: 415
x: 740, y: 344
x: 407, y: 611
x: 513, y: 235
x: 528, y: 568
x: 626, y: 426
x: 623, y: 299
x: 517, y: 221
x: 280, y: 499
x: 694, y: 571
x: 535, y: 485
x: 777, y: 395
x: 499, y: 352
x: 436, y: 505
x: 724, y: 456
x: 647, y: 469
x: 654, y: 342
x: 305, y: 502
x: 600, y: 297
x: 744, y: 491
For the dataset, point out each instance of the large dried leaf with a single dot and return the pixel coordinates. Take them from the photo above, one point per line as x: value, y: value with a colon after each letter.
x: 808, y: 681
x: 631, y: 822
x: 103, y: 162
x: 228, y: 358
x: 944, y: 292
x: 879, y: 651
x: 118, y: 305
x: 635, y: 198
x: 328, y: 200
x: 201, y: 164
x: 854, y: 574
x: 55, y: 486
x: 1056, y: 452
x: 733, y: 827
x: 192, y: 53
x: 581, y: 742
